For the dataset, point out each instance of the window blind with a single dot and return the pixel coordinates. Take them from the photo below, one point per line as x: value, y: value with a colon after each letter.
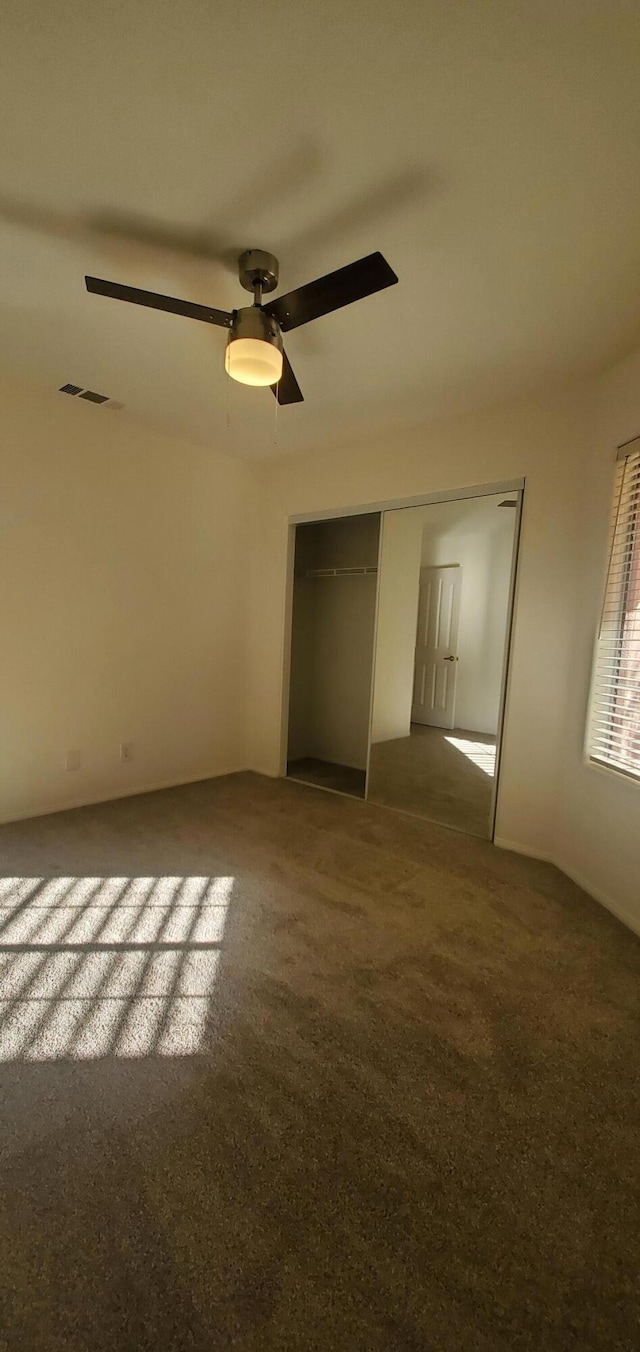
x: 614, y: 732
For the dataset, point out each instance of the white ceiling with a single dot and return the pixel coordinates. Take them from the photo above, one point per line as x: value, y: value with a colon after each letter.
x: 491, y: 151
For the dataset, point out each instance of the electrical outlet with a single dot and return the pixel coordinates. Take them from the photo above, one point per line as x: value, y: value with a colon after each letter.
x: 126, y: 751
x: 73, y: 760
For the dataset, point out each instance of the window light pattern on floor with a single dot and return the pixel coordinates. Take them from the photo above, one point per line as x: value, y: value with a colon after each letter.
x: 94, y: 967
x: 481, y: 753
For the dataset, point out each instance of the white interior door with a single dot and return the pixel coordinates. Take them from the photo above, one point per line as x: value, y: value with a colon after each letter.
x: 434, y: 682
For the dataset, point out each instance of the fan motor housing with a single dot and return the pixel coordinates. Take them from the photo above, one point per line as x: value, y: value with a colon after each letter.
x: 252, y: 322
x: 257, y: 268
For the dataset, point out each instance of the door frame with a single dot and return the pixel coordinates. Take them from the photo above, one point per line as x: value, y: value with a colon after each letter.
x: 506, y: 660
x: 516, y: 486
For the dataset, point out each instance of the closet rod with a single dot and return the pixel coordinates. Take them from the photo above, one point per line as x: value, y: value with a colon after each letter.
x: 340, y: 572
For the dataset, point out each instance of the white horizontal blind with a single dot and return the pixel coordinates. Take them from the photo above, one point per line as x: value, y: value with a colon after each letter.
x: 614, y: 737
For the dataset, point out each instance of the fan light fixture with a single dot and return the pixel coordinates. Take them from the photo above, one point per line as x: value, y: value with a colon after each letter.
x: 254, y: 350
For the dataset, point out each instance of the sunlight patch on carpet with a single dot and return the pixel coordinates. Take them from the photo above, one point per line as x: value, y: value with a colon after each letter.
x: 96, y: 967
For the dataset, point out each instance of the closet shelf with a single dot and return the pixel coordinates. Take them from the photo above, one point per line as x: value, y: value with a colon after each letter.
x: 340, y: 572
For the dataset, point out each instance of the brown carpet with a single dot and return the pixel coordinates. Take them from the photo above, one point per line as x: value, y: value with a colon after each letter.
x: 407, y: 1121
x: 430, y: 776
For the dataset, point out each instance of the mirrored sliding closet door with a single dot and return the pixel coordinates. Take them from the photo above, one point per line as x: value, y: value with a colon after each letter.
x: 443, y: 619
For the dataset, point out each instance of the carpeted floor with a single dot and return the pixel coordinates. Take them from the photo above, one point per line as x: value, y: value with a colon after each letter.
x: 443, y: 774
x: 295, y: 1072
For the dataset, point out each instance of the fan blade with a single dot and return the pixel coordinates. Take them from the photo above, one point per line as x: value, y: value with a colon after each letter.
x: 287, y: 391
x: 156, y: 302
x: 332, y: 292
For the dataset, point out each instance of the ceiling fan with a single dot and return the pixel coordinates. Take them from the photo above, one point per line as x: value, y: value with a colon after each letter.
x: 255, y: 354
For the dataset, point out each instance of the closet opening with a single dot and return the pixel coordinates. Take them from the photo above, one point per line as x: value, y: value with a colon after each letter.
x: 332, y: 642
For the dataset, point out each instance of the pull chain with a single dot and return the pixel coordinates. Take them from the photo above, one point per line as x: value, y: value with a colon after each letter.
x: 228, y: 412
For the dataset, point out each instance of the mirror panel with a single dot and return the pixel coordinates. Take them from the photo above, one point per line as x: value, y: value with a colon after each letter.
x: 442, y: 625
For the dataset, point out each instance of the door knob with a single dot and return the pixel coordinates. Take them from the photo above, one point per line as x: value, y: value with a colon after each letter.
x: 450, y: 659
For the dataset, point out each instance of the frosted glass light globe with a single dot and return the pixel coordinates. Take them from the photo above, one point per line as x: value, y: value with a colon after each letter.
x: 253, y: 362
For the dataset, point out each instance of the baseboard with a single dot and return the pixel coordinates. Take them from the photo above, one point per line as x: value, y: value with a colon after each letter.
x: 48, y: 811
x: 631, y: 921
x: 517, y: 848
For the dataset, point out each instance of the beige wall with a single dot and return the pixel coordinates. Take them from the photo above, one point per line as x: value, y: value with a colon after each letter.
x: 303, y: 633
x: 344, y: 618
x: 122, y: 597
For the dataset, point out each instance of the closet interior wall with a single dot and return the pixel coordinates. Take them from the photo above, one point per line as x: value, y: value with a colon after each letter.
x: 332, y: 639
